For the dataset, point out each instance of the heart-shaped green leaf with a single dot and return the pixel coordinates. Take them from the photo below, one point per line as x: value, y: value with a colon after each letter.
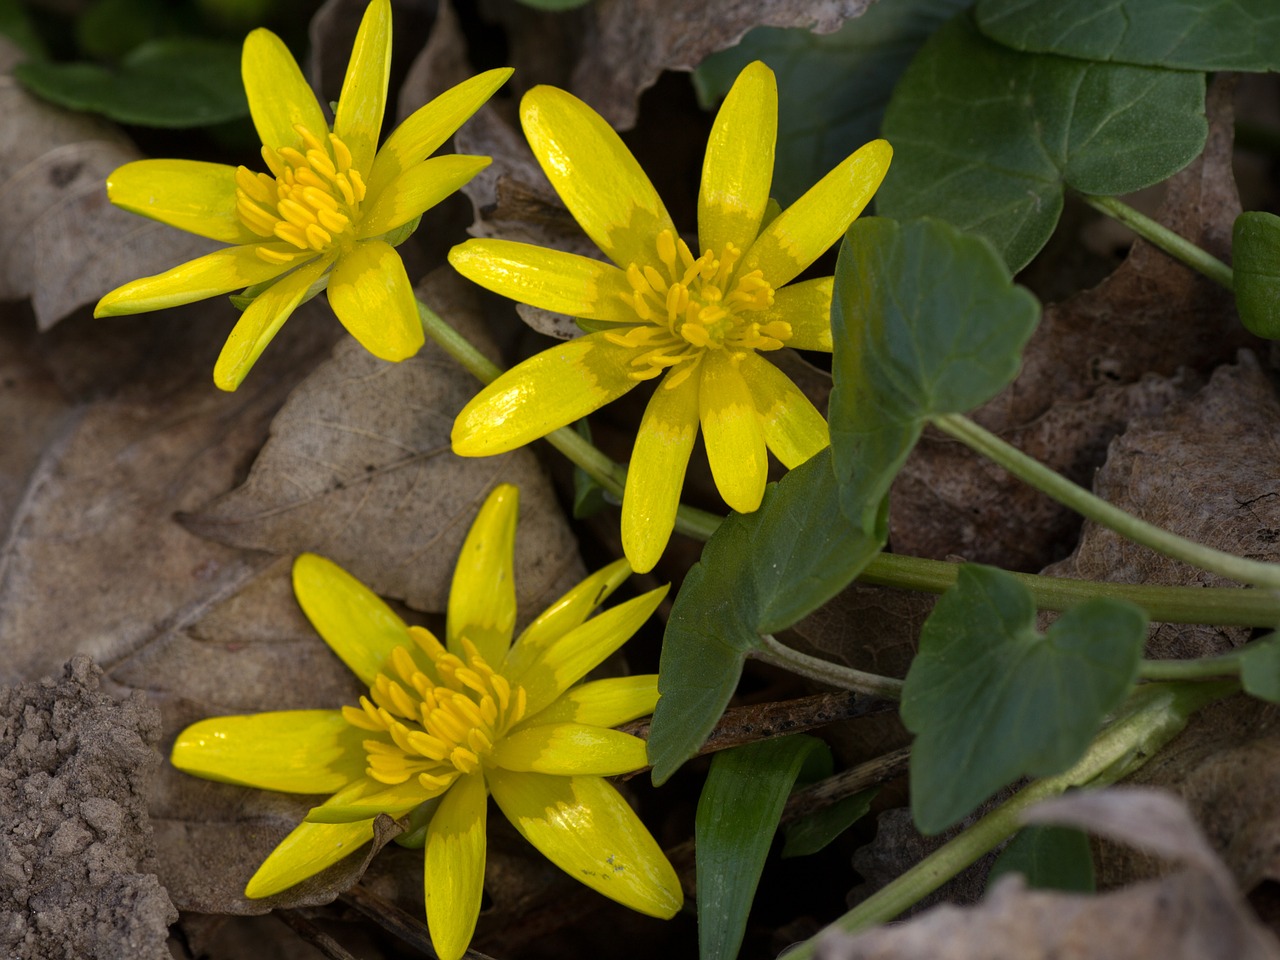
x: 991, y: 700
x: 1050, y: 858
x: 1255, y: 262
x: 925, y: 321
x: 1187, y: 35
x: 987, y: 138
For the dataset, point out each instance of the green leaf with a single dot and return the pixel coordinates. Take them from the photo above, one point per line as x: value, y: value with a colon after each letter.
x: 163, y: 83
x: 1260, y: 668
x: 987, y: 138
x: 925, y: 321
x: 758, y: 574
x: 738, y: 815
x: 991, y: 700
x: 810, y: 834
x: 1187, y: 35
x: 832, y: 88
x: 16, y: 24
x: 1255, y: 263
x: 588, y: 496
x: 1051, y: 858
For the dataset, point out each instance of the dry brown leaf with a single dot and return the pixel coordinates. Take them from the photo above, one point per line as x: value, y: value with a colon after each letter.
x: 61, y: 243
x: 359, y: 468
x: 1074, y: 393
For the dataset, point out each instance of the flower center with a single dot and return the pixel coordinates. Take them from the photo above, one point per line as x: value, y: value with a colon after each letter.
x: 434, y: 730
x: 697, y: 305
x: 309, y: 200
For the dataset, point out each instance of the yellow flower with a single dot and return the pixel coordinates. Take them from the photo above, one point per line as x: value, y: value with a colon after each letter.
x: 661, y: 309
x: 474, y: 717
x: 329, y: 211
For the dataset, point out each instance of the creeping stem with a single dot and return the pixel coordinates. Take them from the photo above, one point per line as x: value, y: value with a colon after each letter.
x: 1161, y: 236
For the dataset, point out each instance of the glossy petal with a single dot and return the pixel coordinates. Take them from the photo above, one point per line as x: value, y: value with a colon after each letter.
x: 352, y: 619
x: 453, y: 869
x: 738, y: 167
x: 372, y: 296
x: 293, y: 751
x: 733, y: 433
x: 570, y: 749
x: 550, y: 279
x: 261, y: 321
x: 306, y: 851
x: 584, y: 827
x: 595, y: 174
x: 547, y: 391
x: 807, y: 307
x: 806, y: 229
x: 569, y: 659
x: 655, y: 475
x: 394, y: 801
x: 793, y: 428
x: 222, y: 271
x: 363, y: 100
x: 418, y: 189
x: 482, y: 598
x: 604, y: 703
x: 279, y: 95
x: 567, y: 613
x: 191, y: 195
x: 431, y: 125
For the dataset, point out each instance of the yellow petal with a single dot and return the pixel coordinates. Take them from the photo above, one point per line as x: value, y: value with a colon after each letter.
x: 364, y: 89
x: 595, y: 174
x: 807, y: 228
x: 806, y: 307
x: 482, y: 599
x: 431, y: 125
x: 570, y: 749
x: 550, y: 279
x: 191, y: 195
x: 569, y: 659
x: 310, y: 848
x: 372, y: 296
x: 419, y: 188
x: 261, y: 321
x: 394, y: 801
x: 567, y: 613
x: 547, y: 391
x: 215, y: 273
x: 352, y: 619
x: 738, y: 167
x: 453, y: 867
x: 655, y: 476
x: 733, y: 433
x: 604, y: 703
x: 793, y: 428
x: 584, y: 827
x: 279, y: 96
x: 293, y: 751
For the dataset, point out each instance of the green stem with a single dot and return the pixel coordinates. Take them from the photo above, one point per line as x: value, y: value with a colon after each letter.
x: 1152, y: 718
x: 824, y: 671
x: 1205, y: 668
x: 1033, y: 472
x: 1161, y: 236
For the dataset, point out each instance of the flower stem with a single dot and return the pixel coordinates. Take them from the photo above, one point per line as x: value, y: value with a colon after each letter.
x: 1152, y: 718
x: 1161, y: 236
x: 1204, y: 668
x: 1031, y: 471
x: 824, y: 671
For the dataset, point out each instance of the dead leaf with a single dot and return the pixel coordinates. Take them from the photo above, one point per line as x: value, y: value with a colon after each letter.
x: 359, y: 468
x: 61, y: 243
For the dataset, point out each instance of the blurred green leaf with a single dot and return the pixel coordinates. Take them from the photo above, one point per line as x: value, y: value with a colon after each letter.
x: 987, y: 138
x: 759, y: 573
x: 18, y: 27
x: 990, y: 699
x: 1260, y: 668
x: 810, y: 834
x: 1187, y: 35
x: 1051, y: 858
x: 109, y: 29
x: 1255, y: 263
x: 163, y: 83
x: 925, y: 321
x: 738, y: 815
x: 832, y: 88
